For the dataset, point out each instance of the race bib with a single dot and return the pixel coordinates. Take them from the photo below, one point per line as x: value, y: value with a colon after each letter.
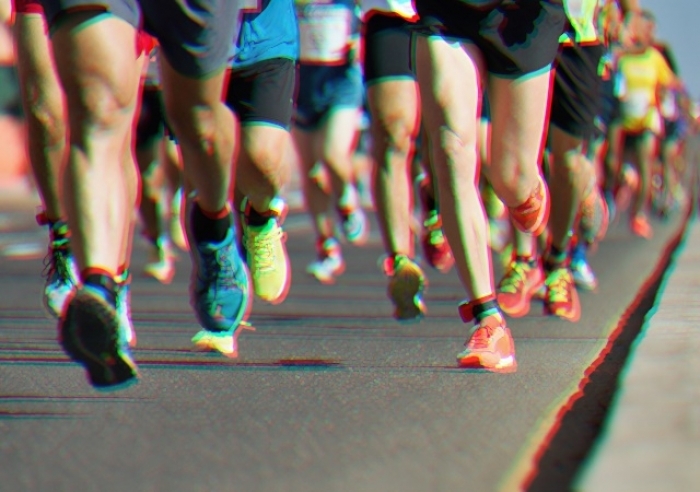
x: 636, y: 104
x: 324, y: 33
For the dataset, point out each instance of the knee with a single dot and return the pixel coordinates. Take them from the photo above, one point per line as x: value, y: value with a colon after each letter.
x: 102, y: 108
x: 45, y: 111
x: 395, y: 132
x: 194, y: 126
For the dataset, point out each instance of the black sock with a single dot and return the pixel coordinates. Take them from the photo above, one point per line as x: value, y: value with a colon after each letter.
x: 556, y: 258
x: 530, y: 260
x: 105, y: 284
x: 208, y: 230
x: 255, y: 218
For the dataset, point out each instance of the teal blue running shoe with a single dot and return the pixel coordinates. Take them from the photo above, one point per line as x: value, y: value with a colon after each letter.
x: 220, y: 285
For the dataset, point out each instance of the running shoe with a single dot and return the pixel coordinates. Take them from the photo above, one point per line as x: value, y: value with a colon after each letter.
x: 219, y: 290
x: 584, y: 276
x: 329, y: 264
x: 490, y: 346
x: 561, y: 298
x: 161, y: 262
x: 223, y: 342
x: 594, y: 217
x: 406, y: 285
x: 354, y: 224
x: 531, y: 216
x: 89, y: 333
x: 123, y: 302
x: 436, y: 249
x: 517, y: 287
x: 267, y: 258
x: 639, y: 225
x: 60, y: 269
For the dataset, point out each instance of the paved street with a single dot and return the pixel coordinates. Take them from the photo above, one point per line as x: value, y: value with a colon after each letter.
x: 329, y: 393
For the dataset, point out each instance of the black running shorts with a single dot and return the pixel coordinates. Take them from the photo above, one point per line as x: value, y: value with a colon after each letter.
x: 195, y: 35
x: 263, y: 92
x: 387, y: 47
x: 577, y: 92
x: 516, y: 38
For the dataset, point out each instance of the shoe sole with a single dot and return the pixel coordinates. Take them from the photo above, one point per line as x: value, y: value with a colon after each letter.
x: 89, y: 333
x: 204, y: 346
x: 330, y: 279
x: 405, y: 289
x: 505, y: 365
x: 156, y: 273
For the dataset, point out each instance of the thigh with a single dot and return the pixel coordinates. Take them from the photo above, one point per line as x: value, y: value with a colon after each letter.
x: 98, y: 64
x: 449, y: 77
x: 339, y: 132
x: 35, y: 63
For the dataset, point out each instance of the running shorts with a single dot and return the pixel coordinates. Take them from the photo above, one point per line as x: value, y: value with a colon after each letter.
x: 576, y: 96
x: 195, y: 35
x: 515, y: 38
x: 323, y: 89
x: 263, y: 92
x: 387, y: 47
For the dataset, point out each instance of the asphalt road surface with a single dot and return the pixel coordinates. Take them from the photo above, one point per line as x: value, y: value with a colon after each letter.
x: 329, y: 394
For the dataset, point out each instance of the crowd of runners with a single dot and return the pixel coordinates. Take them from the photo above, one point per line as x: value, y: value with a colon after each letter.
x: 519, y: 128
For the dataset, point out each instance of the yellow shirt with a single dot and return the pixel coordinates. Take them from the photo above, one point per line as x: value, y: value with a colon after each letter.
x: 641, y: 77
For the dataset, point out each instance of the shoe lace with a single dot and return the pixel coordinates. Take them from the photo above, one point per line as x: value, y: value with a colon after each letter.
x: 481, y: 337
x: 558, y: 285
x: 514, y: 279
x: 262, y: 244
x: 211, y: 271
x: 56, y: 261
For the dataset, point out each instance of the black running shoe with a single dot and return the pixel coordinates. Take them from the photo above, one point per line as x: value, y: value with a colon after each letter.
x: 89, y: 334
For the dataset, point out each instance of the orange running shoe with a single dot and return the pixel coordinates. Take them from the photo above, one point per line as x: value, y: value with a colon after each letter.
x: 531, y: 216
x: 640, y: 226
x: 517, y: 287
x: 561, y: 298
x: 490, y: 345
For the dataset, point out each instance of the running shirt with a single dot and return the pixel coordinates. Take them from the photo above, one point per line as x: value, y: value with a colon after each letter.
x: 582, y: 18
x: 268, y: 30
x: 327, y: 31
x: 640, y: 78
x: 404, y: 8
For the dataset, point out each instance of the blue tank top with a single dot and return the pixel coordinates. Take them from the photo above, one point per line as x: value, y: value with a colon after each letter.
x: 268, y: 30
